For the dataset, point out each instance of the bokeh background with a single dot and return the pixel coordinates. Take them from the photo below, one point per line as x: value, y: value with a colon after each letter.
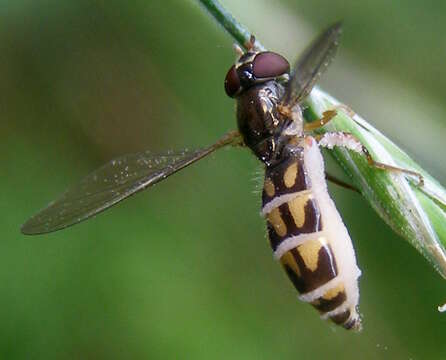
x: 184, y: 271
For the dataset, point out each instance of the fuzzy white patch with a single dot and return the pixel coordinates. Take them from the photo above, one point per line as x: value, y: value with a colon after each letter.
x: 334, y: 229
x: 293, y: 242
x: 332, y: 139
x: 339, y: 310
x: 279, y: 200
x: 321, y: 290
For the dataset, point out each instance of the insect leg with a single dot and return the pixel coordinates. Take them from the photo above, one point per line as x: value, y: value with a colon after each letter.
x: 326, y: 117
x: 233, y: 138
x: 349, y: 141
x: 348, y: 110
x: 252, y: 44
x: 341, y: 183
x: 238, y: 51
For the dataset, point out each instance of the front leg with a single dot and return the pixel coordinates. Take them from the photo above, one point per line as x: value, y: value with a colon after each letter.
x: 350, y: 142
x: 327, y: 116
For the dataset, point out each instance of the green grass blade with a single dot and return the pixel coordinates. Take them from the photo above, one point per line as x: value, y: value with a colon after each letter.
x: 416, y: 213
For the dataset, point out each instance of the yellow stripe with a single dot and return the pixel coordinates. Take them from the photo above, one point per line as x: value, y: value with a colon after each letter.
x: 288, y: 259
x: 297, y: 208
x: 269, y: 187
x: 289, y: 178
x: 275, y: 219
x: 309, y: 251
x: 333, y: 292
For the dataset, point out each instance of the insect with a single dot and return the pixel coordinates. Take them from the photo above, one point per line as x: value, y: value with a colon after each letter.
x: 305, y: 230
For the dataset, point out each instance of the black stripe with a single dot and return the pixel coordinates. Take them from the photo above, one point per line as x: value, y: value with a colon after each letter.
x: 341, y: 318
x: 276, y: 175
x: 312, y: 224
x: 324, y: 305
x: 311, y: 280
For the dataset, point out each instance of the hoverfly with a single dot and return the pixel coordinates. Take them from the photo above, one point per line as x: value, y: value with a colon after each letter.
x: 305, y: 230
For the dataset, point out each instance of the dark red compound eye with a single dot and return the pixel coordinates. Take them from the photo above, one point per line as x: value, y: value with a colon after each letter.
x: 232, y: 82
x: 269, y: 65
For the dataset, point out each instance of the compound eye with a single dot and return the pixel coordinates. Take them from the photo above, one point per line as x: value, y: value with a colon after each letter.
x: 269, y: 65
x: 232, y: 82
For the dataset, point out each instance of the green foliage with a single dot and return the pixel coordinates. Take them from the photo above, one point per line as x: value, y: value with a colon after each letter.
x: 414, y: 211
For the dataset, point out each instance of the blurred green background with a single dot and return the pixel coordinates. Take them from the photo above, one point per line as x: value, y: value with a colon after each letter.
x: 184, y: 271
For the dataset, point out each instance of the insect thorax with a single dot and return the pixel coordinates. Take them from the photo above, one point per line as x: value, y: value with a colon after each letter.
x: 265, y: 130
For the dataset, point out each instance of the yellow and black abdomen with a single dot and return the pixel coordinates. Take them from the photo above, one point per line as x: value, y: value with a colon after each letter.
x: 308, y: 237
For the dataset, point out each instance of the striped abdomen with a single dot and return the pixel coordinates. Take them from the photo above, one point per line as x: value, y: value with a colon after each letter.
x: 309, y: 238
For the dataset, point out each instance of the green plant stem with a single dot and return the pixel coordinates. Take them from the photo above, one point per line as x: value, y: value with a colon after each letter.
x: 231, y: 25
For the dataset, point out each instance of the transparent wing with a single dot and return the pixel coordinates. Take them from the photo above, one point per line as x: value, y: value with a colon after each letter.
x: 112, y: 183
x: 311, y: 64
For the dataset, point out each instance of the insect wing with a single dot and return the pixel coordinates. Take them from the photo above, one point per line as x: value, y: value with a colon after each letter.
x: 108, y: 185
x: 311, y: 64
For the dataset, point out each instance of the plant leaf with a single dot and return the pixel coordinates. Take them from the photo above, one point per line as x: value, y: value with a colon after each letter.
x: 416, y: 213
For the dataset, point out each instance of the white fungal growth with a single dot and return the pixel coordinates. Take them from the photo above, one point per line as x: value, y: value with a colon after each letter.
x: 332, y: 139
